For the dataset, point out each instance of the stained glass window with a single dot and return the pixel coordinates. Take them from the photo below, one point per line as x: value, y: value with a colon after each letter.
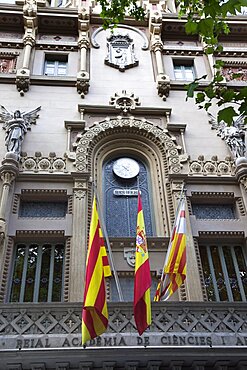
x: 37, y: 273
x: 225, y: 272
x: 213, y: 211
x: 120, y: 201
x: 42, y: 209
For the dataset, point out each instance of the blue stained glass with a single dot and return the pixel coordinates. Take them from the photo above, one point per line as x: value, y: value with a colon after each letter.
x: 213, y: 211
x: 121, y: 211
x: 42, y: 209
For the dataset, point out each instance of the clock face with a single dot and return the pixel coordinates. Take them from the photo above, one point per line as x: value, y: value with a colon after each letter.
x: 127, y: 168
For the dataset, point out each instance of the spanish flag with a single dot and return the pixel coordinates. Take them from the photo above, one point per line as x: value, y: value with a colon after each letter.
x: 94, y: 312
x: 143, y: 282
x: 174, y: 272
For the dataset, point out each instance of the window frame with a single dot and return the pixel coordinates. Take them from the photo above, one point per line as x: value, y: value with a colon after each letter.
x: 36, y: 289
x: 56, y: 60
x: 220, y: 246
x: 182, y: 64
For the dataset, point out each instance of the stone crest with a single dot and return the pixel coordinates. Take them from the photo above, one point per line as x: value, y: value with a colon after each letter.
x: 121, y: 52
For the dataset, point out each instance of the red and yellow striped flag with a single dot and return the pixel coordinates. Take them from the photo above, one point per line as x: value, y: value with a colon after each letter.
x: 174, y: 272
x: 94, y: 312
x: 143, y: 282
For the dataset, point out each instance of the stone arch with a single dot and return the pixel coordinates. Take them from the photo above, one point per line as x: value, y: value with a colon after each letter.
x: 153, y: 144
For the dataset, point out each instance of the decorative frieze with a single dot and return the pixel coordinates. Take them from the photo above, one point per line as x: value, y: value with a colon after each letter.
x: 38, y: 163
x: 179, y: 324
x: 213, y: 167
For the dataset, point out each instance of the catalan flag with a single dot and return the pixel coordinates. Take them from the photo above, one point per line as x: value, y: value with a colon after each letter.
x: 174, y: 272
x: 94, y: 312
x: 142, y: 302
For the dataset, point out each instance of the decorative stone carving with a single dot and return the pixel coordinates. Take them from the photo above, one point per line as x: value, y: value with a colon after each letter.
x: 22, y: 80
x: 213, y: 167
x: 140, y: 127
x: 125, y: 102
x: 121, y: 52
x: 129, y: 256
x: 234, y: 136
x: 120, y: 26
x: 82, y: 83
x: 16, y: 125
x: 241, y: 171
x: 2, y: 231
x: 40, y: 163
x: 203, y: 324
x: 163, y: 86
x: 155, y: 28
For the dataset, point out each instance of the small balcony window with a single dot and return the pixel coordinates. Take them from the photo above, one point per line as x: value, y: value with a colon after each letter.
x: 183, y: 70
x: 56, y: 65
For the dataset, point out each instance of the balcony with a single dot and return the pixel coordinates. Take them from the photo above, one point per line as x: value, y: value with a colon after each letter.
x: 184, y: 332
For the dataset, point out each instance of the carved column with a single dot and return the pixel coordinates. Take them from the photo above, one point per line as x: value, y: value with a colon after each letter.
x: 162, y: 80
x: 8, y: 172
x: 79, y: 239
x: 193, y: 289
x: 30, y: 25
x: 83, y: 44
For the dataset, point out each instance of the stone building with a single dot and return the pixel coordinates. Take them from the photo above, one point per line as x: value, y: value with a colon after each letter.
x: 74, y: 100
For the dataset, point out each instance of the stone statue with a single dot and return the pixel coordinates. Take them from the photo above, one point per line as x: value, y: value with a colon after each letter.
x: 16, y: 125
x: 234, y: 135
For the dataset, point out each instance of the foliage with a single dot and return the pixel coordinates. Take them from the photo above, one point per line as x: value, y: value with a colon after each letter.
x: 208, y: 19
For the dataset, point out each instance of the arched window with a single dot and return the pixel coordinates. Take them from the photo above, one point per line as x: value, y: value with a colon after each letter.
x: 121, y: 178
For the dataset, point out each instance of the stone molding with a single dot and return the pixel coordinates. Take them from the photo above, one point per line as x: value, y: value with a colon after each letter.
x: 140, y: 127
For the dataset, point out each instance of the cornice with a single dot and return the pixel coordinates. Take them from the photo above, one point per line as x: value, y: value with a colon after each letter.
x: 111, y: 109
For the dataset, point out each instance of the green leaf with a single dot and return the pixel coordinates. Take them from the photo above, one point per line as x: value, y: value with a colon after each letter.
x: 200, y: 97
x: 227, y: 115
x: 206, y: 26
x: 191, y: 27
x: 191, y: 89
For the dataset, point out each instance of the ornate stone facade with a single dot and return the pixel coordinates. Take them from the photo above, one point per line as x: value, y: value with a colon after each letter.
x: 56, y: 54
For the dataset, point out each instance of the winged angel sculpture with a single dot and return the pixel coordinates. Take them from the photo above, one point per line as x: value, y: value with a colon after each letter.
x: 234, y: 135
x: 16, y: 125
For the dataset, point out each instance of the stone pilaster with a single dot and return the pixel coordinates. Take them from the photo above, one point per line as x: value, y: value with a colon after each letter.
x: 79, y: 239
x: 30, y: 25
x: 83, y: 44
x: 162, y: 80
x: 191, y: 289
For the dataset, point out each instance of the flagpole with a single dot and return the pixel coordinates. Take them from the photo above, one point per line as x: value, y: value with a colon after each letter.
x: 105, y: 234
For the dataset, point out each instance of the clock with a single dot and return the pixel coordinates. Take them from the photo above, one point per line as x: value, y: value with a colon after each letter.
x: 126, y: 168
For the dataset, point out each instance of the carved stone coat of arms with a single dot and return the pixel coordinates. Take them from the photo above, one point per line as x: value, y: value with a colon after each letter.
x: 121, y: 52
